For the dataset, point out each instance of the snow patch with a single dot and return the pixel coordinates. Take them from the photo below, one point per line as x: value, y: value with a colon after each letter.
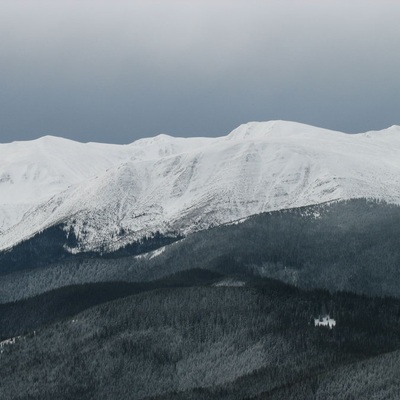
x: 156, y: 253
x: 8, y: 342
x: 230, y: 282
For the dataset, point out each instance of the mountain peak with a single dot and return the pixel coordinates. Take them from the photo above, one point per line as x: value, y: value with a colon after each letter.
x: 160, y: 138
x: 51, y: 139
x: 276, y: 128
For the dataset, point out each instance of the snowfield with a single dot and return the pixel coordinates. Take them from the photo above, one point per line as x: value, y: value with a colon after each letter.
x: 113, y: 194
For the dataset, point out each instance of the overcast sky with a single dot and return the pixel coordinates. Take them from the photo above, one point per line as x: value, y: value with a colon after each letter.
x: 115, y: 70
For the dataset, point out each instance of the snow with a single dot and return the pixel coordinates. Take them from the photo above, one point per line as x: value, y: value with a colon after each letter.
x: 230, y: 283
x: 8, y: 342
x: 157, y: 252
x: 187, y: 184
x: 32, y: 172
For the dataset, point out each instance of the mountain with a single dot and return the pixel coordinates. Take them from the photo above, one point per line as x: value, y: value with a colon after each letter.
x: 196, y: 268
x: 107, y: 196
x: 32, y: 172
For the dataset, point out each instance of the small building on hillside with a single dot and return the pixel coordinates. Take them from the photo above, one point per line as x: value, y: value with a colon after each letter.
x: 325, y: 321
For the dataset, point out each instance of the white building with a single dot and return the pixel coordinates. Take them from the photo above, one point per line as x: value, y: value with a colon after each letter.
x: 325, y: 321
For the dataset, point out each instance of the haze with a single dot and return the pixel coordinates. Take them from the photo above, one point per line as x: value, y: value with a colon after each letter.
x: 115, y: 71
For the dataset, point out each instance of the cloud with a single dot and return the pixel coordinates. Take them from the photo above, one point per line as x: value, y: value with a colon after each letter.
x: 117, y: 70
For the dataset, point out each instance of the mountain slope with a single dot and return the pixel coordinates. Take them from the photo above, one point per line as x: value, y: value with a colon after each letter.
x: 350, y: 245
x: 32, y: 172
x: 171, y: 184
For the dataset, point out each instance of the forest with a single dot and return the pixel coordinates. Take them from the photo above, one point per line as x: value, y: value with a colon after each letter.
x: 225, y: 313
x: 202, y: 340
x: 349, y: 245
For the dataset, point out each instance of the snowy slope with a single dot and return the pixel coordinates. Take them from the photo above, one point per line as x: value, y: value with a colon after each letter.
x: 111, y: 195
x: 34, y: 171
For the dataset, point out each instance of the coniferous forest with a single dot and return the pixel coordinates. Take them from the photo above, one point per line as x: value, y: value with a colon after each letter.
x: 227, y: 313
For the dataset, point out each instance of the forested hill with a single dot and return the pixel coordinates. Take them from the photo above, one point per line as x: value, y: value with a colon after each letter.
x: 209, y: 342
x: 206, y: 319
x: 351, y: 245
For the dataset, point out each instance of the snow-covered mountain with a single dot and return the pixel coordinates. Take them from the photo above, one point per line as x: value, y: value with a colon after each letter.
x: 113, y: 194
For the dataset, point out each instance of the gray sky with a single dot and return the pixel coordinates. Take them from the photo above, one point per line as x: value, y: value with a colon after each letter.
x: 116, y: 70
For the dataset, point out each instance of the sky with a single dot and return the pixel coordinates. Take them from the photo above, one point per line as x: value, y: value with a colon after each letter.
x: 115, y: 71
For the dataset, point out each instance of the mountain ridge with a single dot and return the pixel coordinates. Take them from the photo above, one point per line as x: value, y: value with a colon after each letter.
x: 170, y: 184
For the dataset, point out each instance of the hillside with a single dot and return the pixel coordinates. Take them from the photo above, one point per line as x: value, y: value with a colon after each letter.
x: 215, y: 342
x: 349, y: 245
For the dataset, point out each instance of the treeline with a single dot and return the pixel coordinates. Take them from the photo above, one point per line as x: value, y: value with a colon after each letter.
x: 57, y: 244
x: 350, y: 245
